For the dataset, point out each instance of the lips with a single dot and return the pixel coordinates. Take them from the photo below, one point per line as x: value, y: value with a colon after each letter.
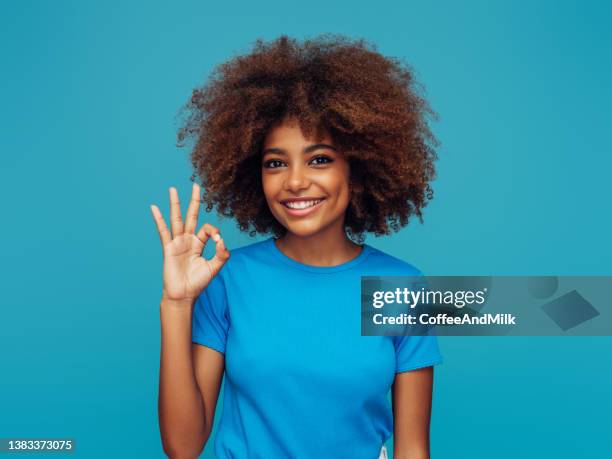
x: 300, y: 207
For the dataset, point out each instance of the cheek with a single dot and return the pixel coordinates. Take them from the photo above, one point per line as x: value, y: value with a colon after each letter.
x: 338, y: 185
x: 345, y: 196
x: 269, y: 187
x: 342, y: 182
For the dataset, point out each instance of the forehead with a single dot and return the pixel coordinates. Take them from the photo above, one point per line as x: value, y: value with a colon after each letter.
x: 289, y: 133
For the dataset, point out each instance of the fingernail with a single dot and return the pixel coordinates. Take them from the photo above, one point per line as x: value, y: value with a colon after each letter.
x: 216, y: 237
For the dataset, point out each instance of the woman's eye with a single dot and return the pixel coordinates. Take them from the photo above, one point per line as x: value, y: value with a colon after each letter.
x: 321, y: 160
x: 273, y: 163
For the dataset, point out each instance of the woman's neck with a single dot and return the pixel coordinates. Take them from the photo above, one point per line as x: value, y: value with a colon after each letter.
x: 320, y: 249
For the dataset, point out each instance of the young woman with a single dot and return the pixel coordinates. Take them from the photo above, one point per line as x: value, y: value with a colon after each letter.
x: 316, y: 143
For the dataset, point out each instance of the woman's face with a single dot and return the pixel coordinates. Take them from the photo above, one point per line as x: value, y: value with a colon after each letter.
x: 306, y: 182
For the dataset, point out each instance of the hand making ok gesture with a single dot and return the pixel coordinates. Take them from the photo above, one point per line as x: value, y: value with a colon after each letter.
x: 186, y: 273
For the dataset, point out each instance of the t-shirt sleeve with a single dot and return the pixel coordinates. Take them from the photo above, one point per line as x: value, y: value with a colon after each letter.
x: 210, y: 321
x: 413, y: 352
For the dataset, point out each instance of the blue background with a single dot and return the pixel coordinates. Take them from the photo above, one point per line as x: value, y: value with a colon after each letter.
x: 89, y: 94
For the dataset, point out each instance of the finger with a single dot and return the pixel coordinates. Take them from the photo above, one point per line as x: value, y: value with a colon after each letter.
x: 162, y: 228
x: 202, y: 236
x: 176, y: 221
x: 191, y: 221
x: 207, y: 231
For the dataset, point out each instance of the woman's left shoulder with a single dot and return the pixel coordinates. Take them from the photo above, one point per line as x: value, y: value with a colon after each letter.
x: 392, y: 264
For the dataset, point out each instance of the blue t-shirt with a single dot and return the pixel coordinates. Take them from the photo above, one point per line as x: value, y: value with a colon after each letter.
x: 300, y: 380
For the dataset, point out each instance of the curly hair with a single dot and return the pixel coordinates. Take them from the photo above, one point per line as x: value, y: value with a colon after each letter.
x: 369, y: 104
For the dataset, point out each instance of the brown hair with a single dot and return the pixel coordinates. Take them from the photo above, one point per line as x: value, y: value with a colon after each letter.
x: 370, y: 105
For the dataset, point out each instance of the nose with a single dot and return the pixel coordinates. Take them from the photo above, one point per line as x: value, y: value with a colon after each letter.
x: 297, y: 179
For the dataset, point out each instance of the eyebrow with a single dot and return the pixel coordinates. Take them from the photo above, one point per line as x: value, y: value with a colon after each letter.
x: 308, y: 149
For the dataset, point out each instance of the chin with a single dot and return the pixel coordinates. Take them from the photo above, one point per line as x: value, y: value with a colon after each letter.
x: 303, y: 230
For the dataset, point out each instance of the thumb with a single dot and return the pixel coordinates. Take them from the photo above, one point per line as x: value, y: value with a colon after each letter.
x: 220, y: 257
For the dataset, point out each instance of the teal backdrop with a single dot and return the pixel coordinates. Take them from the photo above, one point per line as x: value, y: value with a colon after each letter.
x: 90, y: 92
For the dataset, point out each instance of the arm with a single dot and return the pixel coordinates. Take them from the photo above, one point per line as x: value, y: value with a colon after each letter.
x: 412, y: 394
x: 189, y: 375
x: 189, y: 382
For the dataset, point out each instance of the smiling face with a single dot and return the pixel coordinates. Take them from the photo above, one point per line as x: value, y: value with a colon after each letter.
x: 305, y: 181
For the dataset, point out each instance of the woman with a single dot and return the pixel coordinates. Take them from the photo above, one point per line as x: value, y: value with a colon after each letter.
x: 316, y: 143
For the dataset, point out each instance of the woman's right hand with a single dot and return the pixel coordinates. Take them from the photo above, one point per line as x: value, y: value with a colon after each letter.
x: 186, y: 272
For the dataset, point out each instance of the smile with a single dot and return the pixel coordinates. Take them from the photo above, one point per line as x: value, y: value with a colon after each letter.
x: 301, y: 208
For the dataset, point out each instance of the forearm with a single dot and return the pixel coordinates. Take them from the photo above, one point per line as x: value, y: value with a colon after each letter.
x: 412, y: 399
x: 414, y: 453
x: 181, y: 408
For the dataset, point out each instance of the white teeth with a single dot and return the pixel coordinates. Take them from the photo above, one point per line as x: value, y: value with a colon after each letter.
x: 302, y: 204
